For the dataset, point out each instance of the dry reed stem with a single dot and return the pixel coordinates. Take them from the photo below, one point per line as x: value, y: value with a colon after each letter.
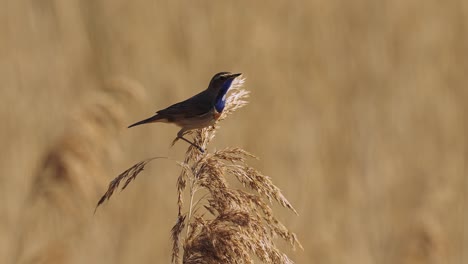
x: 242, y: 224
x: 129, y: 175
x: 225, y: 225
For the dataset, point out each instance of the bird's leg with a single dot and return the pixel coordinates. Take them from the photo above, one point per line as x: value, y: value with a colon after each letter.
x: 180, y: 135
x: 193, y: 144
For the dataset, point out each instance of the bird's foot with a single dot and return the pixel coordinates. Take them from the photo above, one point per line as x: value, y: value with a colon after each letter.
x: 200, y: 149
x: 174, y: 141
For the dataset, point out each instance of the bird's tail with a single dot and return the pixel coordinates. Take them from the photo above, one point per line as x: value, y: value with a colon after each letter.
x: 152, y: 119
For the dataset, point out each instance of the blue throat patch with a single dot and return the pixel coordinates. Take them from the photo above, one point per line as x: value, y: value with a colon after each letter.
x: 220, y: 102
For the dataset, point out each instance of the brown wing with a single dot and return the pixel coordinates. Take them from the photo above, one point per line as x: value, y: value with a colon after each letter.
x: 195, y: 106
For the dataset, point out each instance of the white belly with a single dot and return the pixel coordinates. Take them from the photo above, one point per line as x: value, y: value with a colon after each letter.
x: 196, y: 122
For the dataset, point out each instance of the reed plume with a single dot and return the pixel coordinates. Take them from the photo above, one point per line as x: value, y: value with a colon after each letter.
x: 70, y: 174
x: 222, y: 224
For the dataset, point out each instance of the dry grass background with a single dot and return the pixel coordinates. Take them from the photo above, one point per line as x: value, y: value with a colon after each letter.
x: 358, y: 112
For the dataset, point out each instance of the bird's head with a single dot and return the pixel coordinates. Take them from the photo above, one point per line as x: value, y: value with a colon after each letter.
x: 219, y: 85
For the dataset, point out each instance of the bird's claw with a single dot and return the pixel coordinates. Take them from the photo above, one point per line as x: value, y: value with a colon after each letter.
x: 174, y: 141
x: 201, y: 149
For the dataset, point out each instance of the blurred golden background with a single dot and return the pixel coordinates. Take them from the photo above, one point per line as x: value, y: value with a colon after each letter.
x: 358, y: 112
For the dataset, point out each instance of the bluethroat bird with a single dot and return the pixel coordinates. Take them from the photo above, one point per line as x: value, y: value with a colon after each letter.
x: 199, y: 111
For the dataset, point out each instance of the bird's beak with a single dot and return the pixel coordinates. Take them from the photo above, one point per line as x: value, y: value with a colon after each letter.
x: 233, y: 76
